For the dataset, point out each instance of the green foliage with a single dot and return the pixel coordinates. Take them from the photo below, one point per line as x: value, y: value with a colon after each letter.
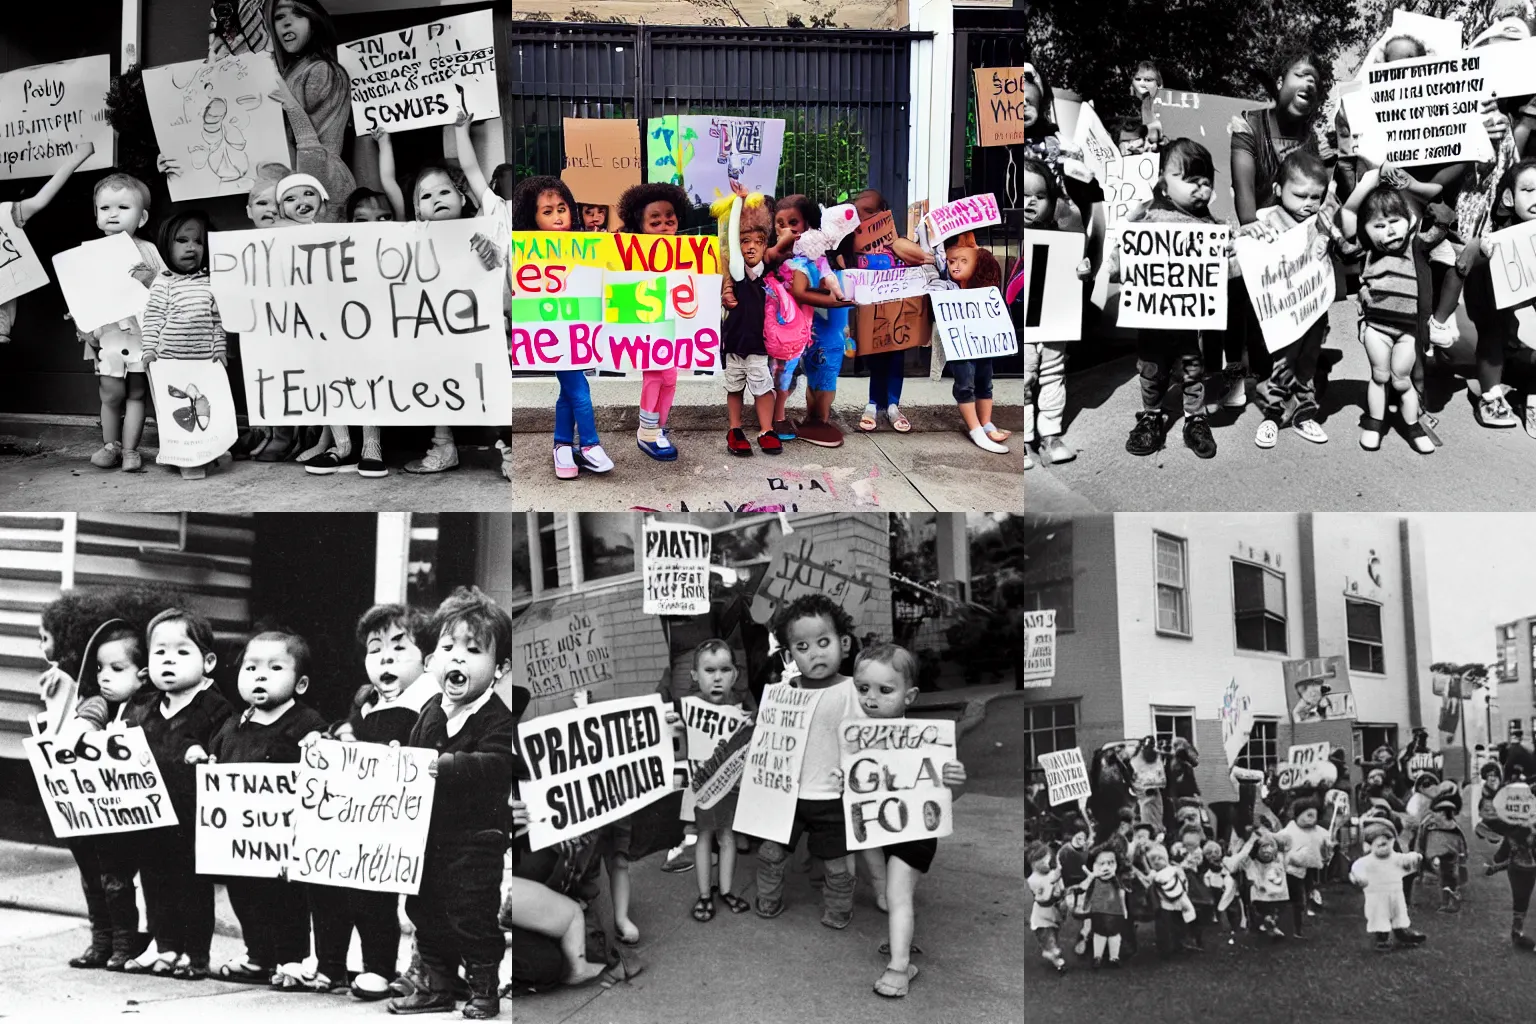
x: 822, y: 164
x: 128, y: 113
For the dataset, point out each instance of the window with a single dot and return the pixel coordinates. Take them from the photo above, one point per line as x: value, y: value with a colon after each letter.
x: 421, y: 588
x: 1262, y: 750
x: 1048, y: 572
x: 549, y: 554
x: 533, y: 532
x: 1172, y: 598
x: 1366, y: 653
x: 1366, y: 738
x: 1168, y: 723
x: 1047, y: 729
x: 1258, y: 606
x: 607, y: 544
x: 1516, y: 731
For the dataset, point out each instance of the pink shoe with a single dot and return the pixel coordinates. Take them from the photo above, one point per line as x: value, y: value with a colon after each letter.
x: 565, y: 463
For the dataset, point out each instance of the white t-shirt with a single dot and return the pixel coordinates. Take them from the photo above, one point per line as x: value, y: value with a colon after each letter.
x: 823, y: 756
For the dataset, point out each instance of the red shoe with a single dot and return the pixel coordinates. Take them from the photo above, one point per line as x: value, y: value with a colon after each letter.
x: 736, y: 442
x: 770, y: 443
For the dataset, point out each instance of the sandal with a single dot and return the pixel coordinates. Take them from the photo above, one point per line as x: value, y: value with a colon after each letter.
x: 1415, y: 433
x: 735, y: 903
x: 1371, y: 426
x: 151, y: 966
x: 885, y: 949
x: 704, y: 909
x: 894, y: 984
x: 868, y: 423
x: 899, y: 422
x: 186, y: 970
x: 245, y: 972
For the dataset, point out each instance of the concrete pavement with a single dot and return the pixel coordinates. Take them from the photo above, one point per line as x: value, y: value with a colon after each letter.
x: 1477, y: 469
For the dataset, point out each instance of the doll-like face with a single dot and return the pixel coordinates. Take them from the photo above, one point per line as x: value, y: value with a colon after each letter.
x: 551, y: 212
x: 117, y: 669
x: 1381, y: 846
x: 1376, y: 779
x: 789, y: 219
x: 1142, y: 833
x: 1307, y: 818
x: 1212, y: 854
x: 594, y: 218
x: 1079, y: 840
x: 301, y: 204
x: 176, y: 663
x: 1144, y: 82
x: 1265, y: 850
x: 1105, y: 865
x: 715, y: 675
x: 269, y: 674
x: 962, y: 264
x: 292, y: 28
x: 658, y: 218
x: 120, y: 211
x: 45, y: 644
x: 438, y: 198
x: 1157, y: 858
x: 261, y: 207
x: 392, y: 659
x: 753, y: 245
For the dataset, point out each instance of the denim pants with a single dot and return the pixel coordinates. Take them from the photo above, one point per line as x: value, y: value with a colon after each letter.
x: 885, y: 377
x: 573, y: 409
x: 973, y: 379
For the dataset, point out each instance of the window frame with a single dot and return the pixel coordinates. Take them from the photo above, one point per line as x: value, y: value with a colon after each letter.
x: 1272, y: 742
x: 1032, y: 763
x: 1350, y: 640
x: 1285, y: 618
x: 1157, y: 584
x: 1173, y: 712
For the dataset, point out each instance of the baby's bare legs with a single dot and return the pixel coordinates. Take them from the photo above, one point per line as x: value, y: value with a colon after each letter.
x: 540, y: 909
x: 114, y: 392
x: 133, y: 412
x: 618, y: 881
x: 701, y: 866
x: 874, y: 863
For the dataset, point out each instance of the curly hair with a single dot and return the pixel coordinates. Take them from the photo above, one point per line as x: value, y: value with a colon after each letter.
x: 70, y: 619
x: 811, y: 606
x: 1286, y: 58
x: 525, y: 200
x: 636, y: 198
x: 486, y: 621
x: 988, y: 274
x: 809, y: 212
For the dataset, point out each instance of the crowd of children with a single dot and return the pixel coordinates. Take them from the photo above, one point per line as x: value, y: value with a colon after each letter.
x: 1416, y: 239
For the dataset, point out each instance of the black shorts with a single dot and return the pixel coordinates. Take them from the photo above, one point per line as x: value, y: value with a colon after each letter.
x: 1107, y: 924
x: 917, y: 854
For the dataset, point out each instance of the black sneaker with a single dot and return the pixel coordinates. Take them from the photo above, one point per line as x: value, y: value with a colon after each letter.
x: 373, y: 469
x: 1148, y: 433
x: 330, y: 462
x: 1197, y: 437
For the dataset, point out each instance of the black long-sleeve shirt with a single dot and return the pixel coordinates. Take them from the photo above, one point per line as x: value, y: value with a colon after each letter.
x: 169, y: 740
x: 243, y: 742
x: 474, y: 767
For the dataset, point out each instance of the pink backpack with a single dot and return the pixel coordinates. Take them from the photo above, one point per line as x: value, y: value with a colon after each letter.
x: 786, y: 327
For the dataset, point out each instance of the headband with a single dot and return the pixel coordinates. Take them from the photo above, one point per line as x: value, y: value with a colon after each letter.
x: 295, y: 180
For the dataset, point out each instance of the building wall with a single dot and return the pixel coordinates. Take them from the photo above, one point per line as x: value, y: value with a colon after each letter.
x: 1516, y: 698
x: 736, y: 14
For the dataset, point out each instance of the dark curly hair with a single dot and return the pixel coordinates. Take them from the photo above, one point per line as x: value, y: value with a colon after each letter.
x: 1287, y: 57
x: 811, y: 606
x: 71, y: 618
x: 636, y: 198
x: 525, y: 200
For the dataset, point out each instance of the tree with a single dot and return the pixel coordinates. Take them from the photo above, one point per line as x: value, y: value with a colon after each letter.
x: 1474, y: 15
x: 1223, y: 47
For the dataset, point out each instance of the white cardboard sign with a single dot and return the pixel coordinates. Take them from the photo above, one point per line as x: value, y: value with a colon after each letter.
x: 1290, y: 281
x: 245, y: 818
x: 676, y: 569
x: 1307, y: 764
x: 1053, y: 294
x: 195, y: 411
x: 894, y: 790
x: 565, y: 654
x: 715, y: 762
x: 96, y: 281
x: 1421, y: 111
x: 1066, y: 776
x: 1513, y: 264
x: 965, y: 214
x: 104, y: 782
x: 770, y: 785
x: 20, y: 269
x: 973, y: 323
x: 1129, y: 184
x: 1039, y: 647
x: 1236, y: 721
x: 423, y: 76
x: 217, y: 120
x: 1173, y: 276
x: 871, y: 287
x: 50, y: 111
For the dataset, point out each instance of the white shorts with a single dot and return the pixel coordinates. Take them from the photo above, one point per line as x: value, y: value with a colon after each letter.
x: 747, y: 373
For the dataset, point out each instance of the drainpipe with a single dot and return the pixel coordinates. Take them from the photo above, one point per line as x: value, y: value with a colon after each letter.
x: 133, y: 30
x: 1410, y: 627
x: 930, y: 112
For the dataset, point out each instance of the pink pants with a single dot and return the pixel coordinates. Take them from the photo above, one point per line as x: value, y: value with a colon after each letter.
x: 657, y: 389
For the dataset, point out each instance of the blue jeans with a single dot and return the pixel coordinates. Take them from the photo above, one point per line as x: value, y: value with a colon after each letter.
x: 885, y: 378
x: 573, y: 409
x: 973, y: 379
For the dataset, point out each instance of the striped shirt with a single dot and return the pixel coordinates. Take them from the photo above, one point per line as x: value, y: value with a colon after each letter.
x: 1389, y: 292
x: 181, y: 320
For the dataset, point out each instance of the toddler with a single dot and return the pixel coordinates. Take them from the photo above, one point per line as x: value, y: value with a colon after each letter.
x: 886, y: 369
x: 742, y: 337
x: 1380, y: 872
x: 1174, y: 908
x: 970, y: 267
x: 1045, y: 362
x: 1262, y: 862
x: 1046, y: 890
x: 1146, y: 80
x: 23, y: 210
x: 1103, y: 902
x: 1444, y: 845
x: 1072, y: 861
x: 594, y: 217
x: 714, y: 673
x: 1222, y: 886
x: 1311, y: 849
x: 655, y: 208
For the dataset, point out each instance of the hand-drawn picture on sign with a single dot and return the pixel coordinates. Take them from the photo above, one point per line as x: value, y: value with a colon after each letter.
x: 894, y: 788
x: 1320, y: 687
x: 876, y: 233
x: 676, y: 569
x: 770, y: 784
x: 669, y: 148
x: 424, y: 75
x: 561, y: 655
x: 717, y: 748
x: 740, y: 149
x: 973, y: 324
x: 49, y: 112
x: 892, y: 326
x: 97, y: 280
x: 196, y: 411
x: 602, y: 159
x: 362, y: 817
x: 245, y: 818
x: 1173, y: 276
x: 1236, y: 717
x: 1066, y: 776
x: 217, y: 121
x: 20, y: 269
x: 103, y: 782
x: 593, y: 765
x: 798, y: 567
x: 999, y: 106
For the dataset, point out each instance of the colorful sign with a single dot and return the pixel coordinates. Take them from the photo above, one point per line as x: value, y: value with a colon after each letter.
x: 217, y: 120
x: 999, y: 106
x: 1053, y: 294
x: 704, y: 153
x: 194, y: 409
x: 875, y: 234
x: 894, y: 772
x: 50, y: 111
x: 676, y: 569
x: 561, y: 655
x: 1290, y: 281
x: 1174, y: 276
x: 796, y: 568
x: 593, y: 765
x: 1066, y: 777
x: 1426, y: 110
x: 102, y: 782
x: 965, y: 214
x: 973, y: 323
x: 1039, y: 647
x: 1321, y: 689
x: 245, y: 819
x: 1236, y: 721
x: 717, y: 748
x: 97, y: 281
x: 424, y: 75
x: 602, y: 159
x: 770, y: 785
x: 20, y: 269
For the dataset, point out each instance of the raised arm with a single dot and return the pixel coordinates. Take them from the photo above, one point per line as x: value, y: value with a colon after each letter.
x: 387, y: 179
x: 27, y: 208
x: 1349, y: 213
x: 468, y: 161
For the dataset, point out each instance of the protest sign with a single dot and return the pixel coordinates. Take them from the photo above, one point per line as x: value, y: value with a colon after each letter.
x: 797, y: 567
x: 593, y: 765
x: 770, y: 785
x: 973, y: 323
x: 704, y: 153
x: 245, y: 818
x: 1307, y: 764
x: 891, y: 326
x: 871, y: 287
x: 1321, y: 688
x: 561, y: 655
x: 876, y: 233
x: 717, y: 748
x: 602, y: 158
x: 1421, y: 111
x: 194, y: 409
x: 1236, y: 717
x: 381, y: 323
x: 423, y: 76
x: 97, y: 282
x: 217, y: 120
x: 1053, y: 294
x: 1128, y: 185
x: 1515, y: 804
x: 20, y: 269
x: 50, y: 111
x: 895, y: 790
x: 964, y: 214
x: 103, y: 782
x: 1173, y: 276
x: 1039, y: 647
x: 1066, y: 777
x: 676, y: 569
x: 999, y: 106
x: 362, y: 816
x: 1513, y: 264
x: 615, y: 301
x: 1100, y: 150
x: 1290, y: 281
x: 1429, y: 761
x: 1205, y: 117
x: 667, y: 152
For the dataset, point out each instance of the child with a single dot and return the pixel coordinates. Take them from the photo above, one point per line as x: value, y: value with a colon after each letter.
x: 1514, y: 202
x: 365, y: 206
x: 787, y: 321
x: 1182, y: 195
x: 545, y: 204
x: 816, y: 288
x: 24, y: 210
x: 181, y: 318
x: 1444, y: 845
x: 179, y: 727
x: 455, y: 912
x: 714, y: 673
x: 656, y: 208
x: 1174, y: 908
x: 1189, y: 857
x: 885, y: 678
x: 274, y: 918
x: 261, y: 203
x: 1146, y: 80
x: 744, y: 242
x: 818, y: 634
x: 122, y: 208
x: 1072, y: 862
x: 1311, y: 848
x: 1130, y: 134
x: 1046, y: 890
x: 886, y: 369
x: 301, y: 199
x: 1103, y: 901
x: 970, y: 267
x: 1380, y: 872
x: 593, y: 217
x: 1262, y: 861
x: 1223, y: 887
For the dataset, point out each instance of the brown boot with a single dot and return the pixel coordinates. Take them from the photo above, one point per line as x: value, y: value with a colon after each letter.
x: 433, y: 994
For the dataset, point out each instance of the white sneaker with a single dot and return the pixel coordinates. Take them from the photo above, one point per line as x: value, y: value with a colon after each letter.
x: 594, y: 458
x: 439, y: 457
x: 1235, y: 398
x: 1268, y: 434
x: 981, y: 440
x: 1443, y: 335
x: 1311, y: 430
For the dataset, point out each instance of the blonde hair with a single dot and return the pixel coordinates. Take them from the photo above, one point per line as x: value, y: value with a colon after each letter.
x: 893, y: 656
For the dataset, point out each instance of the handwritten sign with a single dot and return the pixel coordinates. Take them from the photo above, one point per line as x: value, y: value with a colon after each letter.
x: 245, y: 818
x: 973, y: 323
x: 1515, y: 804
x: 362, y: 817
x: 1053, y: 294
x: 891, y: 326
x: 602, y: 158
x: 593, y: 765
x: 965, y: 214
x: 20, y: 269
x: 615, y: 301
x: 1307, y: 764
x: 1039, y: 647
x: 999, y: 106
x: 770, y: 785
x: 1513, y: 264
x: 96, y: 282
x: 423, y: 76
x: 1066, y: 777
x: 1173, y: 276
x: 1236, y: 717
x: 1290, y: 281
x: 676, y: 569
x: 875, y: 234
x: 562, y: 655
x: 217, y: 121
x: 1421, y: 111
x: 1101, y: 151
x: 704, y: 153
x: 1205, y: 117
x: 796, y: 567
x: 870, y: 287
x: 895, y: 790
x: 1128, y: 184
x: 104, y: 782
x: 1429, y: 761
x: 717, y: 748
x: 195, y: 411
x: 50, y: 111
x: 382, y: 323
